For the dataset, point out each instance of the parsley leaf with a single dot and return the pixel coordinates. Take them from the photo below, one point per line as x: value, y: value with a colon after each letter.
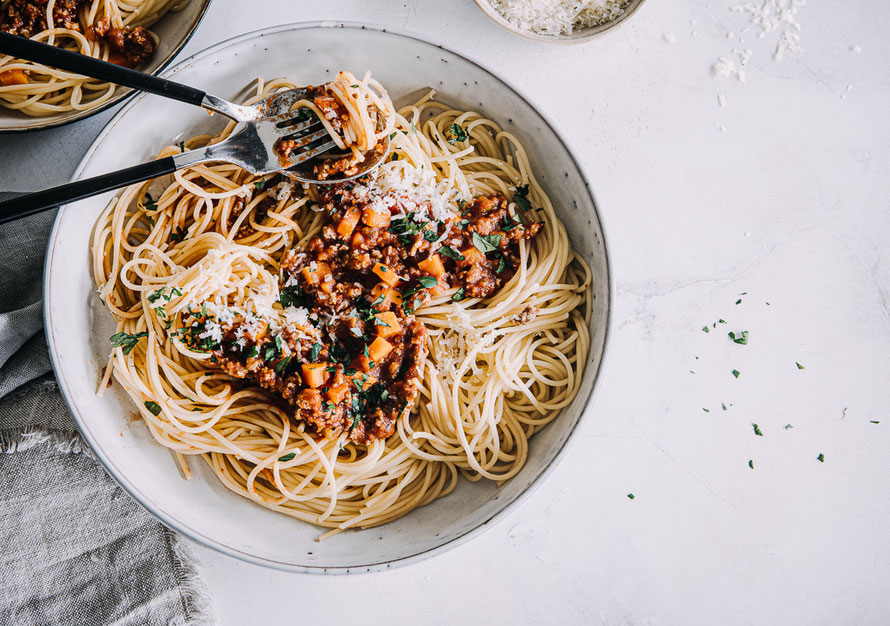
x: 154, y: 407
x: 125, y: 341
x: 457, y: 133
x: 287, y: 457
x: 821, y: 458
x: 314, y: 351
x: 451, y: 253
x: 741, y: 338
x: 282, y: 365
x: 757, y: 430
x: 486, y: 243
x: 520, y: 197
x: 736, y: 373
x: 459, y: 295
x: 427, y: 282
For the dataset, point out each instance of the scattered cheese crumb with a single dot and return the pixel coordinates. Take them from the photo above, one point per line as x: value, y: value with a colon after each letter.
x: 855, y: 49
x: 670, y: 37
x: 721, y: 100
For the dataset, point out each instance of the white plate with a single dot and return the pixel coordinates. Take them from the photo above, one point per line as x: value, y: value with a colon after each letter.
x: 174, y: 30
x: 78, y: 326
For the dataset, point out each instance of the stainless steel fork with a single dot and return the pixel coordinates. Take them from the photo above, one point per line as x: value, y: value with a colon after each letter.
x: 250, y: 146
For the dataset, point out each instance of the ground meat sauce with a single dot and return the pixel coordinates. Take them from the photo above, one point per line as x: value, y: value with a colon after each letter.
x: 129, y: 46
x: 336, y: 115
x: 26, y: 18
x: 357, y: 370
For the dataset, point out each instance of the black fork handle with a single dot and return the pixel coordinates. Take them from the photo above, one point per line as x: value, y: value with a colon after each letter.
x: 45, y: 54
x: 29, y: 203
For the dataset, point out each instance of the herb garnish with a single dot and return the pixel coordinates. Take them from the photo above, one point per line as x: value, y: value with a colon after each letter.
x: 314, y: 351
x: 757, y: 430
x: 459, y: 295
x: 520, y: 197
x: 154, y: 407
x: 486, y: 243
x: 287, y: 457
x: 736, y: 373
x: 457, y: 133
x: 821, y: 458
x: 126, y: 342
x: 799, y: 366
x: 741, y: 338
x: 451, y: 253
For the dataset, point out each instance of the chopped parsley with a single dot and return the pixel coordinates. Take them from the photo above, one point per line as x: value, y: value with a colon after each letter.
x: 751, y: 463
x: 787, y: 426
x: 741, y: 338
x: 428, y: 282
x: 486, y: 243
x: 520, y: 197
x: 799, y: 366
x: 282, y: 364
x: 179, y: 234
x: 821, y: 458
x: 291, y: 296
x: 451, y: 253
x: 154, y: 407
x: 457, y: 133
x: 126, y: 342
x: 287, y: 457
x: 260, y: 184
x: 757, y: 430
x: 874, y: 421
x: 631, y: 496
x: 736, y: 373
x: 182, y: 146
x: 314, y: 351
x: 459, y: 295
x: 706, y: 328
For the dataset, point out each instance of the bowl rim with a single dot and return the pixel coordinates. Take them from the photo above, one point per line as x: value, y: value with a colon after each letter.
x: 125, y: 95
x: 566, y: 40
x: 213, y: 544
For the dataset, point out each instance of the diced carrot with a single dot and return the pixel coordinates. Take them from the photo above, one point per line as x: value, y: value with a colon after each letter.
x: 390, y: 297
x: 386, y: 274
x: 377, y: 219
x: 349, y: 222
x: 318, y: 274
x: 13, y: 77
x: 378, y: 349
x: 362, y: 363
x: 471, y: 255
x: 392, y: 326
x: 432, y: 265
x: 314, y: 374
x: 338, y: 393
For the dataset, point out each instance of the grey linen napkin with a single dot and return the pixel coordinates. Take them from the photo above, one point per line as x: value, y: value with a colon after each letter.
x: 74, y: 547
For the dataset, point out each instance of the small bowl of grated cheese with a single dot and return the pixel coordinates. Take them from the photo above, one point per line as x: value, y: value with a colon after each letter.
x: 559, y: 21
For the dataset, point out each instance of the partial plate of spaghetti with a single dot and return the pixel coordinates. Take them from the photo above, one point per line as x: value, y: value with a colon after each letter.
x: 142, y: 34
x: 389, y: 363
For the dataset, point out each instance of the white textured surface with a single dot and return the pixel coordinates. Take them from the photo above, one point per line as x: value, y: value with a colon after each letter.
x: 789, y: 204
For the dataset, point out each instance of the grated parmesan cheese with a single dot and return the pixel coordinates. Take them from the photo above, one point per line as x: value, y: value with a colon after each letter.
x: 558, y: 17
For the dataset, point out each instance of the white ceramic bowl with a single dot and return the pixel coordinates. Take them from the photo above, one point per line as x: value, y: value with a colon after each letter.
x: 78, y: 326
x: 580, y: 35
x: 174, y: 30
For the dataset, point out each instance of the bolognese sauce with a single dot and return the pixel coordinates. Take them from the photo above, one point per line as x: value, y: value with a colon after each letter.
x: 352, y: 364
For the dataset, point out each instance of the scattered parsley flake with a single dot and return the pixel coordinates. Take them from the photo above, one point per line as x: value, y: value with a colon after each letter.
x: 787, y: 426
x: 799, y: 366
x: 182, y: 146
x: 457, y: 133
x: 741, y: 338
x: 736, y: 373
x: 751, y: 463
x: 757, y: 430
x: 706, y: 329
x: 287, y: 457
x: 631, y: 496
x: 874, y: 421
x: 458, y: 295
x: 706, y: 410
x: 154, y: 407
x: 821, y: 458
x: 739, y: 301
x: 126, y: 342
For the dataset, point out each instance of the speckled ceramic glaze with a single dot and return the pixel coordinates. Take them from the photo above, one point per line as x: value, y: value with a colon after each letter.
x: 174, y: 30
x: 78, y: 326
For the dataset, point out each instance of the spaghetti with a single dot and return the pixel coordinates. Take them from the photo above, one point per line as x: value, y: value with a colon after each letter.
x: 110, y: 30
x: 204, y: 256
